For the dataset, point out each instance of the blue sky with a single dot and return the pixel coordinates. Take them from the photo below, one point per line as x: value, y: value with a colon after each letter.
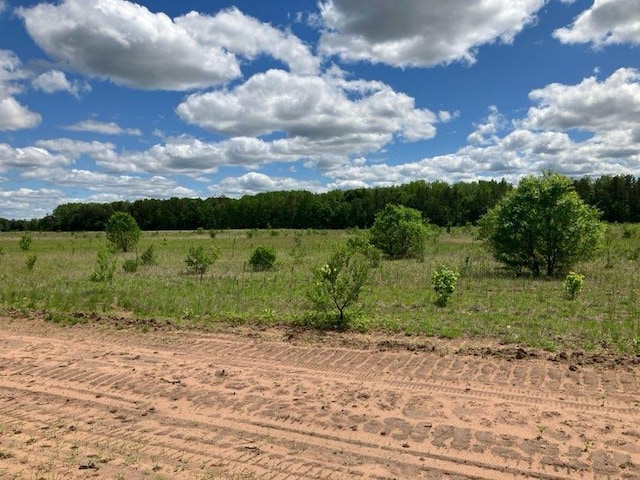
x: 105, y: 100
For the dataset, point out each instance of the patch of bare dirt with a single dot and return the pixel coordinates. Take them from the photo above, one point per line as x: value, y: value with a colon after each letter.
x: 94, y: 400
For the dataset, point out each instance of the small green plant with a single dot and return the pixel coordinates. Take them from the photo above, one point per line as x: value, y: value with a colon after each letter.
x: 105, y: 267
x: 338, y: 283
x: 25, y: 242
x: 263, y: 258
x: 199, y: 260
x: 130, y: 265
x: 573, y: 283
x: 31, y: 261
x: 149, y: 257
x: 213, y: 232
x: 444, y: 282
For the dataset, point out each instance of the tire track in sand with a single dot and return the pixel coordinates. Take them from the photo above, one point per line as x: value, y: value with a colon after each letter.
x: 195, y: 404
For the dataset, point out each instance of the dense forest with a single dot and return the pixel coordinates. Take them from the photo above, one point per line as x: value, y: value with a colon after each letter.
x: 617, y: 197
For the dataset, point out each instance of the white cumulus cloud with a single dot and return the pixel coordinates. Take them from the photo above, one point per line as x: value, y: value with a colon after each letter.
x: 56, y: 81
x: 420, y: 32
x: 29, y: 157
x: 608, y: 109
x: 13, y: 115
x: 318, y: 115
x: 248, y: 37
x: 606, y: 22
x: 128, y: 44
x: 591, y: 105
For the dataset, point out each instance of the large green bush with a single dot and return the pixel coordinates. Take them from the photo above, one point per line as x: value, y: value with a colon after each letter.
x: 400, y: 232
x: 542, y: 226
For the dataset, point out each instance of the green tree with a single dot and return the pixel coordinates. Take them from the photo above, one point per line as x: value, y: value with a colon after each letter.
x: 542, y: 225
x: 400, y: 232
x: 122, y: 231
x: 338, y: 283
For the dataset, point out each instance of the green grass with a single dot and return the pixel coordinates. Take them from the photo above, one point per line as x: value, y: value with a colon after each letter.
x: 489, y: 302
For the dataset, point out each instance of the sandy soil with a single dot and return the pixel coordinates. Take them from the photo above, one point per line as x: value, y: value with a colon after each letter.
x: 105, y: 402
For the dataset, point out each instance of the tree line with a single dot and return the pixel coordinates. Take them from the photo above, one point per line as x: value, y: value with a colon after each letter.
x: 441, y: 203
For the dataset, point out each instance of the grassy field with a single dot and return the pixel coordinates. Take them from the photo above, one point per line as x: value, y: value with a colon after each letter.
x: 398, y: 297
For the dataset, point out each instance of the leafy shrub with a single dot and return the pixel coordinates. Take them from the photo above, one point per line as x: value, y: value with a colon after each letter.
x: 213, y: 232
x: 444, y: 282
x: 130, y: 265
x: 573, y: 283
x: 105, y: 267
x: 542, y: 226
x: 148, y: 257
x: 338, y: 283
x: 31, y: 261
x: 400, y: 232
x: 263, y: 258
x: 25, y: 242
x: 200, y: 259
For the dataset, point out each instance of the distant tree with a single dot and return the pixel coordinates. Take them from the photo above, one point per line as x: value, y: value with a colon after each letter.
x: 542, y: 225
x: 122, y: 231
x: 400, y: 232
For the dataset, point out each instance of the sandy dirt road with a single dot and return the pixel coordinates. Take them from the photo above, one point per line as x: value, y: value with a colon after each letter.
x: 95, y: 401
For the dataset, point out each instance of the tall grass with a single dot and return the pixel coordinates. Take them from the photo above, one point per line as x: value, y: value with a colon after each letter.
x: 489, y: 302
